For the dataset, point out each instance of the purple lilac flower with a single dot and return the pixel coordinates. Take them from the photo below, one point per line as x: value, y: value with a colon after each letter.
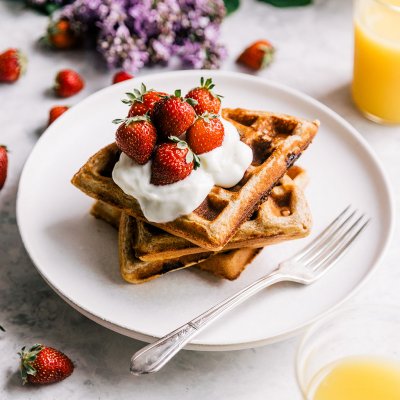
x: 134, y: 33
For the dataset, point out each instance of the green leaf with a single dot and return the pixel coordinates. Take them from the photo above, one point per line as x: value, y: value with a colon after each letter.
x: 189, y: 157
x: 174, y: 139
x: 30, y: 370
x: 2, y: 329
x: 287, y: 3
x: 231, y: 6
x: 192, y: 102
x: 50, y: 8
x: 197, y: 163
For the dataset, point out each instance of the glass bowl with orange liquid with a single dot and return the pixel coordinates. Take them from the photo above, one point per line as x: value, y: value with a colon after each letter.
x: 352, y: 354
x: 376, y: 76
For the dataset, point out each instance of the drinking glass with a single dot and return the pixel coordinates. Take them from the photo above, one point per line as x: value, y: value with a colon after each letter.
x: 369, y: 332
x: 376, y: 76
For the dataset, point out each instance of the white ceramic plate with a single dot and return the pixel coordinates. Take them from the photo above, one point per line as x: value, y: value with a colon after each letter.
x: 77, y: 254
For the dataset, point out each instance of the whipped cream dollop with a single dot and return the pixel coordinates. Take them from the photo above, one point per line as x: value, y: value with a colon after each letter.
x: 224, y: 166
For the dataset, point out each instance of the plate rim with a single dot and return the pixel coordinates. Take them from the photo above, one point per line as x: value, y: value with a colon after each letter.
x: 196, y: 344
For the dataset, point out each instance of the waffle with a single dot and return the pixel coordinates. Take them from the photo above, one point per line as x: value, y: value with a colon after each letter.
x: 284, y: 215
x: 228, y: 265
x: 277, y: 140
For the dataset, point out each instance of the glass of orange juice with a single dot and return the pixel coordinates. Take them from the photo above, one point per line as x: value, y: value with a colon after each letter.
x: 376, y: 74
x: 353, y: 354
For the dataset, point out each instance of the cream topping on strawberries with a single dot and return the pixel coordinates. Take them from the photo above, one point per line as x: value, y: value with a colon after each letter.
x: 224, y: 166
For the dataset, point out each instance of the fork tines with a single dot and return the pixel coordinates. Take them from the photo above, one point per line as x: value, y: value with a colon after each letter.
x: 334, y: 240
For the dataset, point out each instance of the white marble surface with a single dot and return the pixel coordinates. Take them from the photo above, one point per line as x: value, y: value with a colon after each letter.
x: 314, y: 55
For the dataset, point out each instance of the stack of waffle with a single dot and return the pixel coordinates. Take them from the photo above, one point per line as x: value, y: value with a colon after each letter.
x: 232, y: 225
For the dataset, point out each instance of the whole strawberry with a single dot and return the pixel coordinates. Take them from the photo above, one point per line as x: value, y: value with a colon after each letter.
x: 142, y: 101
x: 12, y: 65
x: 173, y: 115
x: 41, y: 364
x: 68, y: 82
x: 172, y: 162
x: 55, y: 112
x: 205, y: 134
x: 136, y: 137
x: 3, y: 165
x: 121, y: 76
x: 60, y: 35
x: 258, y: 55
x: 207, y: 101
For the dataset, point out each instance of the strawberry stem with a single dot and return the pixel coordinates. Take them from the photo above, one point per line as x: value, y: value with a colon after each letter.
x: 206, y: 116
x: 209, y: 85
x: 137, y: 95
x: 27, y: 359
x: 129, y: 120
x: 190, y: 156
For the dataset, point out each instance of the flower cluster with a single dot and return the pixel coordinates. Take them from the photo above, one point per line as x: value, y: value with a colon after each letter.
x: 130, y: 34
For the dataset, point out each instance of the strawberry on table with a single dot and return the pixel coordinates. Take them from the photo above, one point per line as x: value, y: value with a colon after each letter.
x: 258, y: 55
x: 12, y: 65
x: 41, y: 364
x: 60, y: 35
x: 121, y: 76
x: 68, y: 82
x: 142, y: 101
x: 3, y: 165
x: 205, y: 134
x: 136, y: 137
x: 173, y: 115
x: 55, y: 112
x: 172, y: 162
x: 207, y: 100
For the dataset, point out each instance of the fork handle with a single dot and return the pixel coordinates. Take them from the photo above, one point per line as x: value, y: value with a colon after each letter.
x: 154, y: 356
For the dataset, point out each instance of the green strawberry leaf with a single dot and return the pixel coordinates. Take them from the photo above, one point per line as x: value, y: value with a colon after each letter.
x: 287, y: 3
x: 231, y: 6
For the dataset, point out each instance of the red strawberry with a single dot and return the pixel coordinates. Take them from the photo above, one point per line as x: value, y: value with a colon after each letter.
x: 136, y: 137
x: 173, y: 115
x: 41, y: 364
x: 205, y: 134
x: 60, y: 35
x: 172, y: 162
x: 258, y: 55
x: 68, y: 83
x: 207, y: 101
x: 142, y: 101
x: 55, y: 112
x: 121, y: 76
x: 12, y: 65
x: 3, y: 165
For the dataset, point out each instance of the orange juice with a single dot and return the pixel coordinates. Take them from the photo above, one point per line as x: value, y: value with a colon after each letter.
x: 359, y: 378
x: 376, y: 80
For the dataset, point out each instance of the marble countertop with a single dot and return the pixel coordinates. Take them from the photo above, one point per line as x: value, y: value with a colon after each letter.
x: 315, y: 56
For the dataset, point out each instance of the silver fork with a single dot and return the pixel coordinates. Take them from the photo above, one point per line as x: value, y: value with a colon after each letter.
x: 305, y: 267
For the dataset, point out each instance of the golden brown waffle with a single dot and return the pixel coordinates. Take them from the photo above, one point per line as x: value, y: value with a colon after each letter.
x: 228, y: 265
x: 276, y: 140
x: 134, y: 270
x: 107, y: 213
x: 284, y: 215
